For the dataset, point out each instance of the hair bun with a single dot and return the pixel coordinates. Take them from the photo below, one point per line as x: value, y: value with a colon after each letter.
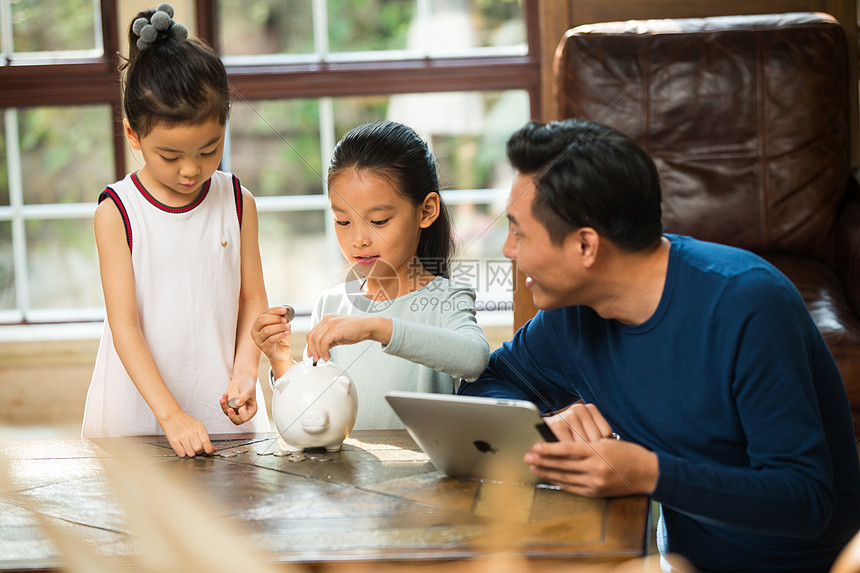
x: 166, y: 8
x: 160, y: 21
x: 148, y: 29
x: 138, y: 25
x: 179, y: 31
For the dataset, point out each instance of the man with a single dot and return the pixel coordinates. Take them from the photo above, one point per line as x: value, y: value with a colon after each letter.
x: 701, y: 358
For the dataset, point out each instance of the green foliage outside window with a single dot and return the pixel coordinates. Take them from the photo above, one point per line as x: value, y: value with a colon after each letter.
x: 365, y: 25
x: 66, y: 153
x: 40, y: 26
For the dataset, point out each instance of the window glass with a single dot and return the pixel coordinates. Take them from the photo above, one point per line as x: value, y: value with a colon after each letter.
x: 275, y: 146
x: 62, y: 264
x: 258, y: 27
x: 421, y: 27
x: 295, y: 263
x: 497, y: 22
x: 350, y: 112
x: 67, y: 153
x: 450, y: 27
x: 480, y: 232
x: 369, y: 25
x: 7, y: 271
x: 40, y: 26
x: 467, y: 131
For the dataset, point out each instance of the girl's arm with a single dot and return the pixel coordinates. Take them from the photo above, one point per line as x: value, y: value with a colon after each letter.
x: 438, y: 330
x: 340, y: 329
x: 186, y: 435
x: 252, y: 302
x: 457, y: 346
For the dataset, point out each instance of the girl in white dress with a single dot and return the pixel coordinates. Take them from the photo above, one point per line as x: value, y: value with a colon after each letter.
x: 402, y: 324
x: 179, y: 257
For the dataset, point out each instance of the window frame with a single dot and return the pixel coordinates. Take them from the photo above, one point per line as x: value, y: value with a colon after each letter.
x: 75, y: 81
x: 45, y: 80
x: 384, y: 77
x: 333, y: 77
x: 54, y: 81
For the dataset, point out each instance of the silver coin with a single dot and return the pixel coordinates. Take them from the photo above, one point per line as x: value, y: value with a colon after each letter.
x: 227, y: 454
x: 281, y: 453
x: 289, y: 313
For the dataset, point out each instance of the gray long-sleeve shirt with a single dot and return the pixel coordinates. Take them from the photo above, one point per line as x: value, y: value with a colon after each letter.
x: 435, y: 340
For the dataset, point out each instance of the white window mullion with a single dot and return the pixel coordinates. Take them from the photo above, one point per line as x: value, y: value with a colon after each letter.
x: 6, y: 46
x: 423, y: 12
x: 98, y: 40
x: 327, y: 142
x: 16, y: 203
x: 320, y: 17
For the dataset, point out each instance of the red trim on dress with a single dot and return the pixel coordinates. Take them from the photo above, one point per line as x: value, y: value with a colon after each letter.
x: 237, y: 195
x: 111, y: 194
x: 158, y: 204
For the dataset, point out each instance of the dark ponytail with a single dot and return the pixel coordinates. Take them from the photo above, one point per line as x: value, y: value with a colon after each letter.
x: 172, y: 80
x: 394, y: 151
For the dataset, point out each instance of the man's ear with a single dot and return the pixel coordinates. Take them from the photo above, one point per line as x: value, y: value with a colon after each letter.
x: 131, y: 135
x: 585, y: 243
x: 430, y: 210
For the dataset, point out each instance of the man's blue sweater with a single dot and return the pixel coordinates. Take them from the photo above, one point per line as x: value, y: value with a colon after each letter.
x: 732, y: 386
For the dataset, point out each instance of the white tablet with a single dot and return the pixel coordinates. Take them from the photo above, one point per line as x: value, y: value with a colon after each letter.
x: 468, y: 436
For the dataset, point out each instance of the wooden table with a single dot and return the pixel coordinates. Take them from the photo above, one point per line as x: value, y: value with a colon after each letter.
x: 379, y: 499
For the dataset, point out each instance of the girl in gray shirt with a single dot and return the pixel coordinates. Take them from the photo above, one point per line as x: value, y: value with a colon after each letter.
x: 400, y: 324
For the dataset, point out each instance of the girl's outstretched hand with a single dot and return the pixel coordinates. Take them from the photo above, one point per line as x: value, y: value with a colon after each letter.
x: 244, y: 396
x: 187, y: 435
x: 337, y: 329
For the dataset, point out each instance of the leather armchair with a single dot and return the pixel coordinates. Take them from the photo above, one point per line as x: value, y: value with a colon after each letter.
x: 747, y: 119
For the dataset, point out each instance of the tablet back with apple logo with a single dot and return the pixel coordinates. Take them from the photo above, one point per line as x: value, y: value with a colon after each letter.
x: 467, y: 436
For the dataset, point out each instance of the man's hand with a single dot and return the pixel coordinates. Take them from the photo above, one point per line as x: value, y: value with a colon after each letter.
x: 603, y: 468
x: 579, y: 422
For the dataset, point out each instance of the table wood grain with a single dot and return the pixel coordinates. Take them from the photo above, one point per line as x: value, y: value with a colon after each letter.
x: 378, y: 499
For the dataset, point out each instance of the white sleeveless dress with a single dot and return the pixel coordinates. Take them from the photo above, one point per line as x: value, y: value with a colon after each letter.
x: 187, y: 276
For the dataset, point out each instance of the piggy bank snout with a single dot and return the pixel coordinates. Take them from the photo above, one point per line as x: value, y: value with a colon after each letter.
x: 315, y: 421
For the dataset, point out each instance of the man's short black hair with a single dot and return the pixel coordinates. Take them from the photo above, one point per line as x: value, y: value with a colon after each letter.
x: 590, y: 175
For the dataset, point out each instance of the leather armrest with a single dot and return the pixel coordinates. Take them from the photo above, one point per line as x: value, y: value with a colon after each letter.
x: 848, y: 247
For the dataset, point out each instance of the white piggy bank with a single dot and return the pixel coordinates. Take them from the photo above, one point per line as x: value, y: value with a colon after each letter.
x: 314, y: 406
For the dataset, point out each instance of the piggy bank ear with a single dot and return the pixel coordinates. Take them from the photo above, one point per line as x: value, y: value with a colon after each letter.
x: 343, y: 383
